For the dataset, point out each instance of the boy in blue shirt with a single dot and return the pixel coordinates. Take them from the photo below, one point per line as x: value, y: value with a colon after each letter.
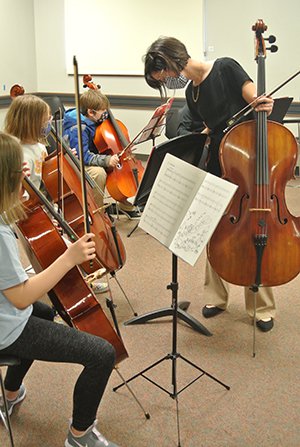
x: 93, y: 107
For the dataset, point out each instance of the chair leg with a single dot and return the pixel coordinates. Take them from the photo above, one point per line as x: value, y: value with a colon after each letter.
x: 6, y: 419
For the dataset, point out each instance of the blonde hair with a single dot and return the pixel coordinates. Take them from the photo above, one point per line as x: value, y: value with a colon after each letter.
x: 94, y: 100
x: 11, y: 164
x: 25, y: 118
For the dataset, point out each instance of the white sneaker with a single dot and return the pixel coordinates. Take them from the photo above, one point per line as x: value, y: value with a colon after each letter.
x: 100, y: 287
x: 12, y: 403
x: 91, y: 438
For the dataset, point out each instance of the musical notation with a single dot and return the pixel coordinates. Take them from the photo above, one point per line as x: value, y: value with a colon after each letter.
x: 184, y: 207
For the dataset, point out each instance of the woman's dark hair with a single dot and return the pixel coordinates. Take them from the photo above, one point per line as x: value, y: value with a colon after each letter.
x: 166, y: 53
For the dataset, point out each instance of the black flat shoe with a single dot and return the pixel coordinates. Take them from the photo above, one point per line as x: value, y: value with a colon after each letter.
x: 209, y: 312
x: 265, y: 326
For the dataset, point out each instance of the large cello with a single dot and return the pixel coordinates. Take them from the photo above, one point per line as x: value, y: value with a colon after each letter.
x: 257, y: 242
x: 112, y: 137
x: 72, y: 297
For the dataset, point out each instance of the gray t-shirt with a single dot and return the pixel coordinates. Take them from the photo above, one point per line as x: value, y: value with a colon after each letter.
x: 12, y: 320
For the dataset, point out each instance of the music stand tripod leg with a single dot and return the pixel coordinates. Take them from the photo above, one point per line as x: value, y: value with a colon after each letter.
x: 133, y: 230
x: 174, y: 355
x: 146, y: 414
x: 191, y: 321
x: 111, y: 307
x: 166, y: 312
x: 114, y: 276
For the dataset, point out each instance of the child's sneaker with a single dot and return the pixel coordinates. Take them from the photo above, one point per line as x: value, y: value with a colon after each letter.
x: 12, y: 403
x: 91, y: 438
x: 132, y: 215
x: 100, y: 287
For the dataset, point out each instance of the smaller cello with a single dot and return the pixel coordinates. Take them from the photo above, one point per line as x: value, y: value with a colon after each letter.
x: 111, y: 138
x: 109, y: 247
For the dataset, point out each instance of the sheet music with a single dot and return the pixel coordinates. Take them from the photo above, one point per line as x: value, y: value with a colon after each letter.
x: 202, y: 218
x: 156, y: 124
x: 184, y: 207
x: 173, y: 189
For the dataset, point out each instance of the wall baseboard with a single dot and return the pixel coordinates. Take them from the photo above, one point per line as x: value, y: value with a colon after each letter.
x: 118, y: 101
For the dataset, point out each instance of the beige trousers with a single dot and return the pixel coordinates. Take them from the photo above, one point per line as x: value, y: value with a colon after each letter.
x: 98, y: 174
x: 216, y: 292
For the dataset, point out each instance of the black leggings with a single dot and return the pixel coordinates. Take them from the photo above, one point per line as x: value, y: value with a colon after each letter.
x: 42, y: 339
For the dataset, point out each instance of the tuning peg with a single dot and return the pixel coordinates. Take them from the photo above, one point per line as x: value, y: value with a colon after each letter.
x: 271, y: 39
x: 273, y: 48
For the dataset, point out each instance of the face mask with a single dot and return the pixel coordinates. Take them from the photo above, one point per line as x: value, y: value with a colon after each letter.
x: 102, y: 118
x: 46, y: 130
x: 175, y: 83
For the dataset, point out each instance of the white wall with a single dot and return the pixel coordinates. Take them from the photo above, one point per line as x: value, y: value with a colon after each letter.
x: 229, y: 33
x: 17, y: 45
x: 114, y: 37
x: 33, y: 49
x: 50, y: 49
x: 52, y: 71
x: 17, y: 48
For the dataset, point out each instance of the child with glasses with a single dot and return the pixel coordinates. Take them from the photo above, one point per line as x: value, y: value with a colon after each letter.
x: 93, y: 108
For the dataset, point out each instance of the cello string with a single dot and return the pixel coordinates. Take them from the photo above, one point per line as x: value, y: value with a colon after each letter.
x: 259, y: 169
x: 248, y: 108
x: 75, y: 160
x: 50, y: 208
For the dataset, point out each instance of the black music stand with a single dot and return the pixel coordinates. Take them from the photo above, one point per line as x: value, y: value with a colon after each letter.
x: 188, y: 148
x: 155, y: 125
x: 280, y: 108
x: 174, y: 355
x: 151, y: 131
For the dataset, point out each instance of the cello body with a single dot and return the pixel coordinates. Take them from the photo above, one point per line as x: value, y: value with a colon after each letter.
x: 257, y: 242
x: 72, y: 209
x: 235, y: 235
x: 72, y: 297
x: 112, y: 138
x: 109, y: 246
x: 122, y: 181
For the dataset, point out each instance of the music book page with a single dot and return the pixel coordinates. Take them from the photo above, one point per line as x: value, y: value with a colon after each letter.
x: 156, y: 124
x: 184, y: 207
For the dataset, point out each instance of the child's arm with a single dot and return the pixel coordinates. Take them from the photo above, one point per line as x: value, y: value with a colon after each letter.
x: 26, y: 293
x: 89, y: 157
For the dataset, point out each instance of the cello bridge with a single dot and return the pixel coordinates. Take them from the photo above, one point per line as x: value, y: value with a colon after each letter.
x: 260, y: 209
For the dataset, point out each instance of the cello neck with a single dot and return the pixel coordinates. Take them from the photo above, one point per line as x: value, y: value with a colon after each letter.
x: 262, y: 164
x: 120, y: 134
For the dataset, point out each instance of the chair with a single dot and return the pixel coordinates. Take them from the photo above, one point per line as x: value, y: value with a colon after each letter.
x: 6, y: 361
x: 172, y: 122
x: 179, y: 122
x: 55, y: 104
x: 58, y: 111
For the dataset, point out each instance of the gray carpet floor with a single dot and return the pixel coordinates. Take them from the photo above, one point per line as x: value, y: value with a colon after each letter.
x: 261, y: 408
